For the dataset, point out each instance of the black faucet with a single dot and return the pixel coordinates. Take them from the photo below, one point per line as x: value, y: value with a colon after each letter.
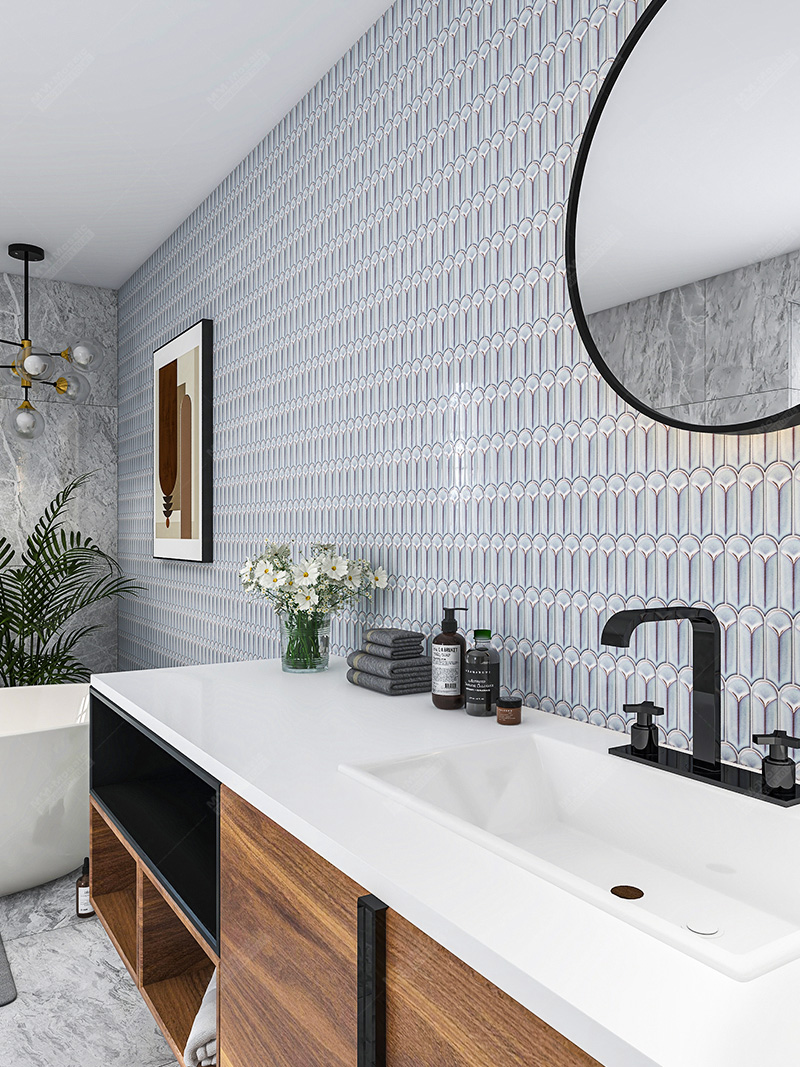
x: 706, y: 671
x: 776, y: 784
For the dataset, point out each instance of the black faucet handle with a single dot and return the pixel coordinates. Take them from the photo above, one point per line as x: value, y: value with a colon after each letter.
x: 777, y: 739
x: 644, y: 712
x: 778, y: 769
x: 644, y: 735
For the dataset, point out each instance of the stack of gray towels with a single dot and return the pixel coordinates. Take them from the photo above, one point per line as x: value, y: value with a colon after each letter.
x: 391, y: 662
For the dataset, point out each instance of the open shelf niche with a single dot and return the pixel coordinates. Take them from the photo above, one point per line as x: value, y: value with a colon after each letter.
x: 163, y: 806
x: 113, y: 890
x: 171, y: 962
x: 175, y: 966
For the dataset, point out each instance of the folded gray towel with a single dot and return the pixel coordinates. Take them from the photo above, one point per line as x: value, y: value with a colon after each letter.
x: 387, y: 652
x: 407, y: 670
x: 390, y: 686
x: 387, y: 635
x: 204, y: 1027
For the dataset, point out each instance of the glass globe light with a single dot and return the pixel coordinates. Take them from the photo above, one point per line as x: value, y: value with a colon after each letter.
x: 35, y: 364
x: 86, y: 353
x: 74, y: 386
x: 25, y: 422
x: 9, y: 374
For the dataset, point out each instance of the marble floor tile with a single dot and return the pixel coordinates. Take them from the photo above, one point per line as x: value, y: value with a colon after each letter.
x: 34, y: 911
x: 76, y: 1004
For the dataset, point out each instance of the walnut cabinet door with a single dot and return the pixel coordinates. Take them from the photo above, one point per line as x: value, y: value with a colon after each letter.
x: 290, y: 965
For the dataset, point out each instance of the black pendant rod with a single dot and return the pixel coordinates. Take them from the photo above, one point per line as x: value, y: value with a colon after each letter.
x: 29, y: 254
x: 26, y: 336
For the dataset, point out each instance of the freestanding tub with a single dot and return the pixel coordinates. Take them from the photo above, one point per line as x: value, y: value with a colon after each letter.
x: 44, y: 783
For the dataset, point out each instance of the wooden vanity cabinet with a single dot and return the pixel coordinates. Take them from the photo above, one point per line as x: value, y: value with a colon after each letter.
x: 439, y: 1011
x: 288, y: 926
x: 289, y: 964
x: 154, y: 863
x: 188, y: 877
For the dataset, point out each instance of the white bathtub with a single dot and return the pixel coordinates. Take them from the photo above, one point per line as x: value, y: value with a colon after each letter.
x: 44, y: 783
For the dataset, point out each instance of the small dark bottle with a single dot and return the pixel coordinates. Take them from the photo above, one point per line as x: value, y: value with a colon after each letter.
x: 509, y: 711
x: 447, y: 655
x: 482, y: 671
x: 82, y: 903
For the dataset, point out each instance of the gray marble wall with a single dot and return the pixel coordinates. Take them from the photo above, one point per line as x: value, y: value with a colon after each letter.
x: 76, y: 439
x: 722, y: 350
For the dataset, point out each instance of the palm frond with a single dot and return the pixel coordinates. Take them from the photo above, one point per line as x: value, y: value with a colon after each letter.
x: 63, y: 572
x: 7, y: 553
x: 41, y: 542
x: 59, y: 664
x: 75, y: 580
x: 53, y: 669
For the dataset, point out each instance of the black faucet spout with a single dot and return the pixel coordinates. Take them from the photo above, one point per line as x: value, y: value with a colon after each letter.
x: 706, y: 667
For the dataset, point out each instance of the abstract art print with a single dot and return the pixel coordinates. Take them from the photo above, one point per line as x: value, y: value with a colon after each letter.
x: 182, y: 376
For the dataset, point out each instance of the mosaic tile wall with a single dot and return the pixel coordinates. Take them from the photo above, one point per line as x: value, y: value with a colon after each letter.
x: 397, y: 368
x: 77, y: 439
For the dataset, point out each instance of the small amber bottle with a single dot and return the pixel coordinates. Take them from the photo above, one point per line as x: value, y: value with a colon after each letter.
x: 447, y: 654
x: 509, y: 711
x: 83, y: 905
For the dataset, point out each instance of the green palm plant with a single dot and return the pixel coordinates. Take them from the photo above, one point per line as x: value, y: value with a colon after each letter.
x: 61, y: 573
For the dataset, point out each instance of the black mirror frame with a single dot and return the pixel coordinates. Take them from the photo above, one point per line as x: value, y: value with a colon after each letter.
x: 787, y: 418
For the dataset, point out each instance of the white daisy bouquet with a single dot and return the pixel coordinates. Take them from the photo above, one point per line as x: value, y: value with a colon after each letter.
x: 307, y: 593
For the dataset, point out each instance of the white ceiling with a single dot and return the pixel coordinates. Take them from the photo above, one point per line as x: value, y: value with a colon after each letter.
x: 119, y: 118
x: 695, y: 165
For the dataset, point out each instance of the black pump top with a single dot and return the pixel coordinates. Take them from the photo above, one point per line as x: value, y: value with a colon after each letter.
x: 86, y: 866
x: 449, y: 624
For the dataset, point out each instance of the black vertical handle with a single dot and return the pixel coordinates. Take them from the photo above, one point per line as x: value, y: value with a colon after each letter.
x: 371, y: 982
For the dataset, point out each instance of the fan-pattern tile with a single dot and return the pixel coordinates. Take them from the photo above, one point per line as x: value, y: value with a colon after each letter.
x: 397, y: 368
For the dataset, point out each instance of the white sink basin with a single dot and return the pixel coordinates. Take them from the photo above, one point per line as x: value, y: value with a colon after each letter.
x: 549, y: 798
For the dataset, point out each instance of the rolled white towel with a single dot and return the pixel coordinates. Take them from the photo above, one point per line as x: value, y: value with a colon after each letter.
x: 210, y: 1062
x: 204, y: 1029
x: 205, y: 1052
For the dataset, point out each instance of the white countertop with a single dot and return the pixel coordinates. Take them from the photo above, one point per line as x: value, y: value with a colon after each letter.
x: 622, y: 995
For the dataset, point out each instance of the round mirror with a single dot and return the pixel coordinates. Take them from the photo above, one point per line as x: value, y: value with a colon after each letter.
x: 683, y: 225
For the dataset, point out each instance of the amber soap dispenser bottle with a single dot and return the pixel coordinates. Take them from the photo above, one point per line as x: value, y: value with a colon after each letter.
x: 448, y: 650
x: 82, y: 903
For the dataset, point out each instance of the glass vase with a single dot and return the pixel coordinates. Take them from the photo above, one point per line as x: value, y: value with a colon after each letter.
x: 305, y: 642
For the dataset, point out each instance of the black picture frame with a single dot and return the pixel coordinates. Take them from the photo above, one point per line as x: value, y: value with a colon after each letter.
x: 183, y: 445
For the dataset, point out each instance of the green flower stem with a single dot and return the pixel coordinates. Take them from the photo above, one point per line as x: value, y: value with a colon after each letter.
x: 302, y: 639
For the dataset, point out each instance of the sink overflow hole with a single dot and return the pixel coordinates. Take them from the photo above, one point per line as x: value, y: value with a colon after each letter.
x: 627, y: 892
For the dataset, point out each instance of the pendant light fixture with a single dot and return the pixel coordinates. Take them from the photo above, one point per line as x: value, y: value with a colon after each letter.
x: 33, y: 366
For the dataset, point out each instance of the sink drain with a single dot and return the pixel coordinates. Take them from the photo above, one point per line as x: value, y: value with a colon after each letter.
x: 703, y: 925
x: 627, y: 892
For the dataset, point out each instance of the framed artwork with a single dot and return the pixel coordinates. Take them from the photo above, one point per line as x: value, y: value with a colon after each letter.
x: 182, y: 377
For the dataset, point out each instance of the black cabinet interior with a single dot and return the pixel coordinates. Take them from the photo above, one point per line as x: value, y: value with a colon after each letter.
x: 166, y: 806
